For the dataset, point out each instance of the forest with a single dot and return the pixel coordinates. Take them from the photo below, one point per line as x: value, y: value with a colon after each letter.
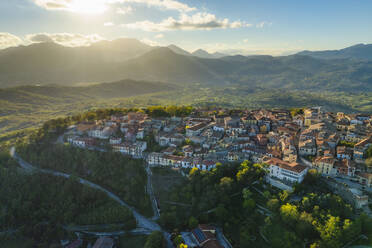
x: 39, y: 206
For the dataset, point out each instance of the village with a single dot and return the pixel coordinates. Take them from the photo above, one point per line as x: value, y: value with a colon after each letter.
x: 288, y: 142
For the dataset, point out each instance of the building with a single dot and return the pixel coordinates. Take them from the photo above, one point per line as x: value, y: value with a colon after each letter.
x: 205, y: 236
x: 104, y: 242
x: 285, y: 171
x: 365, y: 179
x: 325, y: 165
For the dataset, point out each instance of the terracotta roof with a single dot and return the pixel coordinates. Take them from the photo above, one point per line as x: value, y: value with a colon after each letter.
x: 295, y: 167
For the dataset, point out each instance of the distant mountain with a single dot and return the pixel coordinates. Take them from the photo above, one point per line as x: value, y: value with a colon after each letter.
x: 359, y: 51
x: 49, y: 63
x: 179, y: 50
x: 204, y: 54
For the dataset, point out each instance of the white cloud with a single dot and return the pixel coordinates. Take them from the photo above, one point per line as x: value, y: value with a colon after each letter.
x: 150, y: 42
x: 165, y: 4
x: 201, y: 20
x: 98, y: 6
x: 9, y: 40
x: 159, y: 36
x: 109, y: 24
x: 124, y: 10
x: 65, y: 39
x: 80, y: 6
x: 245, y: 40
x: 264, y: 24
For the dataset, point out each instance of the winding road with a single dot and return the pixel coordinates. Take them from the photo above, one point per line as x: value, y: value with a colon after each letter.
x: 143, y: 223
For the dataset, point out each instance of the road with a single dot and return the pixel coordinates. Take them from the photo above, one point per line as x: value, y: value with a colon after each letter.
x: 353, y: 184
x: 142, y: 221
x: 150, y: 191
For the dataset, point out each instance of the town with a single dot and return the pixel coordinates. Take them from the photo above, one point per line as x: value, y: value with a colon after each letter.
x: 289, y: 142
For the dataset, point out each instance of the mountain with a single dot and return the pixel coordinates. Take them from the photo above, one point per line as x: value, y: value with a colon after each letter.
x: 49, y: 63
x: 359, y: 51
x: 179, y: 50
x: 204, y: 54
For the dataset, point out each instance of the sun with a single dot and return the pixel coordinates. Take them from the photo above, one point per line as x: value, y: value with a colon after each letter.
x: 88, y: 6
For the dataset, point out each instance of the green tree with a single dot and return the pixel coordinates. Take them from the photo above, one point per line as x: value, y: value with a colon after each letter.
x: 155, y: 240
x: 193, y: 222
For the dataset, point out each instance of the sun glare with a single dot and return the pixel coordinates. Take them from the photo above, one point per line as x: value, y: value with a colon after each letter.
x: 88, y: 6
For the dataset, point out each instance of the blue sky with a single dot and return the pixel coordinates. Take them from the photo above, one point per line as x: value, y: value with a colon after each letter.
x: 235, y: 26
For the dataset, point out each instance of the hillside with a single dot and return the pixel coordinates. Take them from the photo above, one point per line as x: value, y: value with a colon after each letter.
x: 48, y: 63
x: 27, y: 106
x: 359, y: 51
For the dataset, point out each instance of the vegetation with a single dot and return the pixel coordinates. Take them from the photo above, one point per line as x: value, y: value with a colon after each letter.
x: 39, y: 206
x: 155, y: 240
x: 228, y: 196
x: 346, y: 143
x: 124, y: 176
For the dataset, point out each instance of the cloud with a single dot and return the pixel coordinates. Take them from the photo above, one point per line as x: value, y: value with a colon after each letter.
x: 201, y: 20
x: 124, y: 10
x: 159, y: 36
x: 109, y: 24
x: 264, y: 24
x: 65, y: 39
x: 165, y: 4
x: 150, y: 42
x: 9, y: 40
x: 95, y: 6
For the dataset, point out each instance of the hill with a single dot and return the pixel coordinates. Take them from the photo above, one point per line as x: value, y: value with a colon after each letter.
x: 27, y: 106
x: 359, y: 51
x: 49, y: 63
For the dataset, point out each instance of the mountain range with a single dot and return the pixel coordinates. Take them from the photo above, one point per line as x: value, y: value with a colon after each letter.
x: 359, y: 51
x: 108, y: 61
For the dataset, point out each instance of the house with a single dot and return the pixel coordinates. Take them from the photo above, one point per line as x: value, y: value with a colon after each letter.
x: 102, y: 132
x: 188, y: 150
x: 115, y: 140
x: 359, y: 199
x: 104, y: 242
x: 365, y: 179
x: 282, y: 170
x: 81, y: 142
x: 196, y: 129
x: 344, y: 152
x: 134, y: 149
x: 205, y: 236
x: 307, y: 147
x: 345, y: 167
x: 360, y: 149
x: 325, y: 165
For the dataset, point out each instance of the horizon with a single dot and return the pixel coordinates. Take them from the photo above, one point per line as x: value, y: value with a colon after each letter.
x: 245, y: 27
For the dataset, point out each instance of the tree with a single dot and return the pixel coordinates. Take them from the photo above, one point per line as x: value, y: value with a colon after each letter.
x: 273, y: 204
x: 155, y: 240
x: 178, y: 240
x: 331, y: 232
x: 289, y: 213
x: 193, y: 222
x: 283, y: 195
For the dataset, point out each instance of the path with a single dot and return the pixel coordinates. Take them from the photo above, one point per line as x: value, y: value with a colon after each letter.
x: 142, y: 222
x: 150, y: 191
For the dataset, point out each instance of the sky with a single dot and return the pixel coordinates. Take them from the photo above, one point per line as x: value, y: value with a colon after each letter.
x: 275, y: 27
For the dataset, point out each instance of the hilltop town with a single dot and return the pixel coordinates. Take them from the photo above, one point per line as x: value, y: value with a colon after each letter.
x: 290, y: 143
